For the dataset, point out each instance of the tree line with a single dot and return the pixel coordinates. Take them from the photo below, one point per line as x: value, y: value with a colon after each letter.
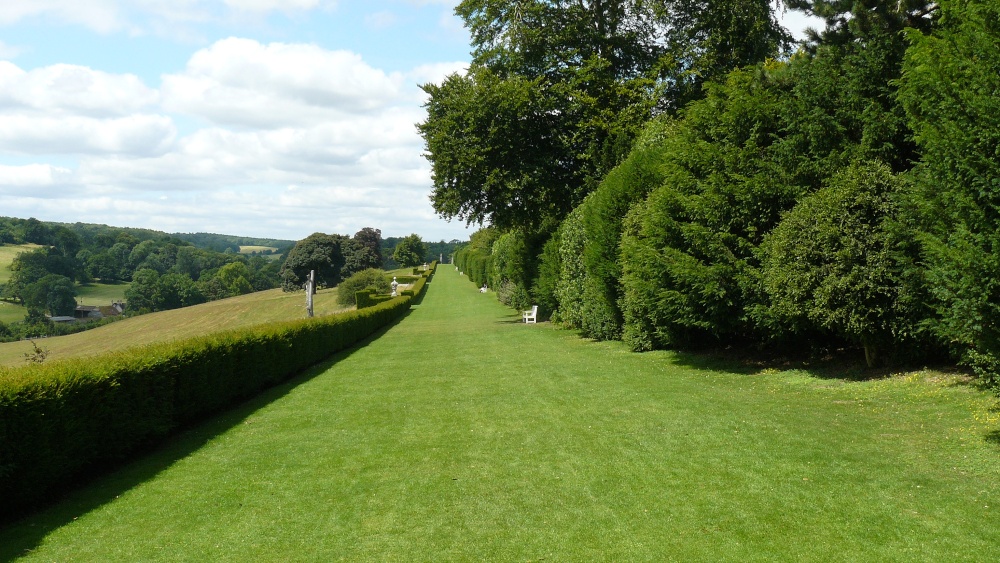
x: 166, y: 272
x: 838, y: 192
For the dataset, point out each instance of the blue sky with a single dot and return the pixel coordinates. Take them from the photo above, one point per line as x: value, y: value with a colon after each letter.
x: 268, y: 118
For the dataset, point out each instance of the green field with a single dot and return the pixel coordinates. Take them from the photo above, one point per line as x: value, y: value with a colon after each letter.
x: 463, y: 435
x: 235, y: 312
x: 7, y: 254
x: 100, y: 294
x: 258, y: 249
x: 11, y: 312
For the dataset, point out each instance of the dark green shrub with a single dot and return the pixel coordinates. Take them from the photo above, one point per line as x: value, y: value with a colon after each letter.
x: 949, y: 89
x: 370, y: 278
x: 543, y: 292
x: 833, y: 265
x: 572, y: 272
x: 603, y: 213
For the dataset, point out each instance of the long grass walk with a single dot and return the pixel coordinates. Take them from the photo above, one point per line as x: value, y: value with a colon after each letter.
x: 462, y: 434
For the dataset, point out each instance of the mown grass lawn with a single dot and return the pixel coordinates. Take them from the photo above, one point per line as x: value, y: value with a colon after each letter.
x: 462, y: 434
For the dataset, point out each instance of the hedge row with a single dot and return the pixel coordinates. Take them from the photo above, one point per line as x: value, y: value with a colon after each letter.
x: 60, y: 420
x: 419, y: 285
x: 369, y: 298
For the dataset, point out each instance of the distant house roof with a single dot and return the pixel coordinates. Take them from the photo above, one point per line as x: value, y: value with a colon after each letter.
x: 62, y: 319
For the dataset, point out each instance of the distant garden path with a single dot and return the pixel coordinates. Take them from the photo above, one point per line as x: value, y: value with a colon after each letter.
x: 463, y: 434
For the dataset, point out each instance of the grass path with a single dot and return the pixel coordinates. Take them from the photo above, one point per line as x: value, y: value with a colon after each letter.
x: 462, y: 434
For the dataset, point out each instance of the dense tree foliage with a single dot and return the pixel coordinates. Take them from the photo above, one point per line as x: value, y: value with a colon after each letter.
x: 836, y: 265
x: 165, y: 272
x: 318, y: 252
x: 949, y: 88
x: 410, y: 251
x: 842, y: 195
x: 558, y: 90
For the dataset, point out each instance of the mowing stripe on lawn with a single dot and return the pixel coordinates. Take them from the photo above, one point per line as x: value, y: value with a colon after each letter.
x: 463, y: 434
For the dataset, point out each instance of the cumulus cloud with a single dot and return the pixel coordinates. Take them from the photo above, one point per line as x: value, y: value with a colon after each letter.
x: 68, y: 109
x: 72, y: 90
x: 33, y: 176
x: 240, y: 82
x: 140, y: 135
x: 138, y: 16
x: 296, y: 136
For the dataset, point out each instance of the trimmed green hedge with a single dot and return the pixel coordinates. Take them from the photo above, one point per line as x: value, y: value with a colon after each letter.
x: 369, y: 298
x: 60, y: 420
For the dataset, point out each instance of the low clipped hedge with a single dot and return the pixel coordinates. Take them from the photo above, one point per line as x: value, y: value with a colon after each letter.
x: 64, y: 419
x: 418, y: 287
x: 369, y: 298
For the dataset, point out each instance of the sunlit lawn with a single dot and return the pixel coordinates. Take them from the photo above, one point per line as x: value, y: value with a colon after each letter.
x: 462, y: 434
x: 100, y: 294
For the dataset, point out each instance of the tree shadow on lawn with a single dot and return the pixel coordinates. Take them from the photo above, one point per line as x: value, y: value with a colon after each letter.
x: 844, y: 363
x: 19, y: 537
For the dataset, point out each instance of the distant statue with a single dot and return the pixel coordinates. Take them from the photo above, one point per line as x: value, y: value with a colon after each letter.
x: 394, y: 285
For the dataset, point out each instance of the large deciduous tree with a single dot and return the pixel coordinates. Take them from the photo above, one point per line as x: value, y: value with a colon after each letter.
x: 410, y: 251
x: 559, y: 89
x: 321, y: 252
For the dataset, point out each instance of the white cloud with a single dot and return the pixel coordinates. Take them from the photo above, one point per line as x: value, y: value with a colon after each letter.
x: 68, y: 109
x: 298, y: 139
x: 103, y: 16
x: 240, y: 82
x: 138, y: 135
x: 33, y: 175
x: 72, y: 90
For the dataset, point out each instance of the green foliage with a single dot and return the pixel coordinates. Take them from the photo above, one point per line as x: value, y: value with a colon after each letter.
x: 572, y: 271
x: 603, y: 214
x: 53, y: 293
x: 410, y: 251
x: 949, y: 88
x: 513, y: 295
x: 363, y: 252
x: 543, y: 291
x: 320, y: 252
x: 60, y: 419
x: 688, y: 254
x: 832, y: 265
x: 371, y: 278
x: 558, y: 91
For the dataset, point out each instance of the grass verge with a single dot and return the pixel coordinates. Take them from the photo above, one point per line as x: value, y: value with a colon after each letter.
x: 462, y: 434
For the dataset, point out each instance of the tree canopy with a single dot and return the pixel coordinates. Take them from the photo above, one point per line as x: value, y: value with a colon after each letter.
x: 558, y: 90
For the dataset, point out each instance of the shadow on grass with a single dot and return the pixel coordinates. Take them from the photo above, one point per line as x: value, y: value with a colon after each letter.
x: 845, y: 364
x: 19, y: 537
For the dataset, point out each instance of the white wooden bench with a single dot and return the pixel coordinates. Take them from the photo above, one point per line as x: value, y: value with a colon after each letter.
x: 529, y: 316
